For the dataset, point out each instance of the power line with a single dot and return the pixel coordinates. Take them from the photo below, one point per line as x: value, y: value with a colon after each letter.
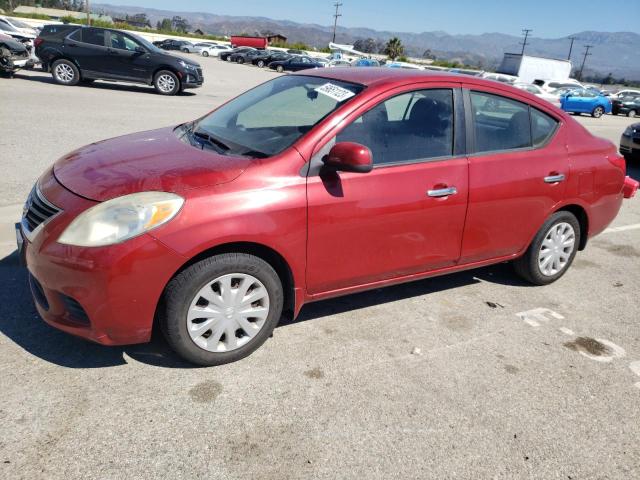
x: 525, y: 32
x: 573, y: 39
x: 335, y: 19
x: 584, y: 59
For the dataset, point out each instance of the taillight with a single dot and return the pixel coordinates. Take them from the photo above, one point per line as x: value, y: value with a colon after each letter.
x: 37, y: 41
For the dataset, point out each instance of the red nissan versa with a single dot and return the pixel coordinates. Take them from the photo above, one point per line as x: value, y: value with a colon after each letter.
x: 307, y: 187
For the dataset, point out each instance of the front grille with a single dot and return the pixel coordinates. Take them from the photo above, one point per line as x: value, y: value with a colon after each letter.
x: 199, y: 70
x: 37, y: 210
x: 74, y: 309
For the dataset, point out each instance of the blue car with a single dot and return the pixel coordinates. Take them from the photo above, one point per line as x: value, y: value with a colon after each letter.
x: 582, y: 100
x: 366, y: 62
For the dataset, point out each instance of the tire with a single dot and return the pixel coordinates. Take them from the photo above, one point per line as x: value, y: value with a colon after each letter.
x: 279, y: 69
x: 632, y: 113
x: 65, y: 72
x: 185, y: 50
x: 166, y: 82
x: 240, y: 60
x: 205, y: 53
x: 597, y: 112
x: 529, y: 265
x: 260, y: 63
x: 227, y: 339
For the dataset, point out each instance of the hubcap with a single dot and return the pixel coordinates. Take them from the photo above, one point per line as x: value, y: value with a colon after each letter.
x: 599, y: 112
x: 166, y: 83
x: 64, y: 72
x: 228, y: 312
x: 556, y: 249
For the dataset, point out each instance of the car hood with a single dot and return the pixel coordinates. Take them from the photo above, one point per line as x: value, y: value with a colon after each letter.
x: 154, y: 160
x: 184, y: 59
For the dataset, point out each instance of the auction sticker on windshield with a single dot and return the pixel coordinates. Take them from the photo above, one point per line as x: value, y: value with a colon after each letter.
x: 334, y: 91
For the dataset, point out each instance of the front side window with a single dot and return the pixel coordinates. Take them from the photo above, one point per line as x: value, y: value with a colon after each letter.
x: 408, y: 127
x: 271, y: 117
x: 122, y: 42
x: 93, y: 36
x: 500, y: 123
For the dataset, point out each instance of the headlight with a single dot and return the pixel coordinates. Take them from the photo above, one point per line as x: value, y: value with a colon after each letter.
x: 122, y: 218
x: 187, y: 65
x: 628, y: 131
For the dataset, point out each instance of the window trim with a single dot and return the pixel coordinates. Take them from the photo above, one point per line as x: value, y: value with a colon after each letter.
x: 460, y: 130
x: 471, y: 131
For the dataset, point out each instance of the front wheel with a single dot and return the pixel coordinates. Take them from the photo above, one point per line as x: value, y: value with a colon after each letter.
x: 221, y: 309
x: 205, y: 53
x: 280, y: 69
x: 597, y: 112
x: 185, y: 50
x: 261, y: 63
x: 552, y: 250
x: 65, y: 72
x: 632, y: 113
x: 240, y: 60
x: 166, y: 83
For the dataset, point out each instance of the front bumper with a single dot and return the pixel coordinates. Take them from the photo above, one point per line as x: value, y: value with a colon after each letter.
x: 192, y: 79
x: 105, y: 294
x: 630, y: 145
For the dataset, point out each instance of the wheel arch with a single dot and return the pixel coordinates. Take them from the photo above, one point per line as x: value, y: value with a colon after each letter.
x: 165, y: 67
x: 583, y: 219
x: 62, y: 56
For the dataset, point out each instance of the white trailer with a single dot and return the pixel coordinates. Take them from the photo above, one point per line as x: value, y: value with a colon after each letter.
x: 529, y: 68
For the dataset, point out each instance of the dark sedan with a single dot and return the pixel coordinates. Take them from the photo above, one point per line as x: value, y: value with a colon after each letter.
x: 245, y: 56
x: 170, y: 44
x: 628, y: 105
x: 266, y: 57
x: 630, y: 142
x: 227, y: 55
x: 294, y: 64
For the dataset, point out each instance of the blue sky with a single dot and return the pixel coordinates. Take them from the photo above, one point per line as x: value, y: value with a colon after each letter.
x: 547, y: 18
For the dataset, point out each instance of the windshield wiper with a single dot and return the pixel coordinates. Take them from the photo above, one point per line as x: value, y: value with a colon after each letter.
x: 211, y: 140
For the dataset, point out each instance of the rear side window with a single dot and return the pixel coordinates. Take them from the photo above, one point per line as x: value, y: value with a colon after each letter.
x: 77, y: 36
x: 542, y: 127
x: 94, y: 36
x: 500, y: 123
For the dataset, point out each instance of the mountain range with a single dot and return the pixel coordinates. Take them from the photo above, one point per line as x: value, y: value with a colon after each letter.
x: 613, y: 52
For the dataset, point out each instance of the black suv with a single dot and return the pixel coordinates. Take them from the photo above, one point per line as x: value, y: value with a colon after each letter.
x: 74, y: 53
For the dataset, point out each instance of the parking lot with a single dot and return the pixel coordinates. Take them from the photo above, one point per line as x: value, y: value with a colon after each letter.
x: 472, y: 375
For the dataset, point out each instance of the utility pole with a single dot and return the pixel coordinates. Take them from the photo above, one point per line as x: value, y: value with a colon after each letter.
x: 335, y: 19
x: 88, y: 13
x: 525, y: 32
x: 573, y: 39
x: 584, y: 60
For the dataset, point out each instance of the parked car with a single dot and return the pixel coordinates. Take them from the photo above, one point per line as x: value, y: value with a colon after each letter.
x: 196, y: 47
x: 552, y: 85
x: 581, y: 100
x: 246, y: 56
x: 214, y: 50
x: 629, y: 106
x: 294, y: 64
x: 216, y: 228
x: 616, y: 101
x: 171, y: 44
x: 365, y: 62
x: 338, y: 63
x: 268, y: 56
x: 227, y: 54
x: 539, y: 92
x: 630, y: 142
x: 405, y: 65
x: 13, y: 55
x: 502, y: 77
x: 76, y: 54
x: 18, y: 26
x: 625, y: 93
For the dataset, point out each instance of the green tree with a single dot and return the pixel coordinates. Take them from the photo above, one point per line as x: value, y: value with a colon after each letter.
x: 394, y: 48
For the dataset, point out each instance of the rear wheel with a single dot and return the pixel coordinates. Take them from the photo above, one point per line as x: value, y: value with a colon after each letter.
x: 222, y: 308
x: 632, y: 113
x: 240, y: 60
x: 552, y: 250
x: 166, y: 83
x: 261, y: 63
x: 597, y: 112
x: 280, y: 69
x: 65, y: 72
x: 185, y: 50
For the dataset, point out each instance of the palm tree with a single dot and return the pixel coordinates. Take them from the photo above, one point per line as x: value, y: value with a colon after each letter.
x: 394, y: 48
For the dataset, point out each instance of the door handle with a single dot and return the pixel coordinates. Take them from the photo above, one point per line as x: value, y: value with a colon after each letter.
x: 442, y: 192
x: 557, y: 178
x: 111, y: 52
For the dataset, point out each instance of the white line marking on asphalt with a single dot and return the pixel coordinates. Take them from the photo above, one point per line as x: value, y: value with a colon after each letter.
x: 635, y: 367
x: 537, y: 316
x: 624, y: 228
x: 567, y: 331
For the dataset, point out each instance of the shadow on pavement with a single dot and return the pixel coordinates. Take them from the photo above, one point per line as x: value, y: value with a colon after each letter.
x: 98, y: 84
x: 20, y: 322
x: 633, y: 168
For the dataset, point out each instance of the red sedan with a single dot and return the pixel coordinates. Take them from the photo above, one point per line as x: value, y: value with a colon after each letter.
x: 306, y: 187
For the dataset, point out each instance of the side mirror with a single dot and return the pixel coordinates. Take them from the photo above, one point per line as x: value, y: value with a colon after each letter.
x: 349, y: 157
x: 140, y: 50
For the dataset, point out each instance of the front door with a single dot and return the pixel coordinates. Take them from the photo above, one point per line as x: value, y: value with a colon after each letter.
x: 517, y: 175
x: 129, y: 59
x: 407, y: 215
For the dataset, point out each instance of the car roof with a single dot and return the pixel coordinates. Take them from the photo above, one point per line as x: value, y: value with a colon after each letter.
x: 379, y: 75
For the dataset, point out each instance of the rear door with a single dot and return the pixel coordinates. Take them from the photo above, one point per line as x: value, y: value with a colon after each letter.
x: 89, y: 48
x: 517, y: 173
x: 129, y: 60
x: 407, y: 215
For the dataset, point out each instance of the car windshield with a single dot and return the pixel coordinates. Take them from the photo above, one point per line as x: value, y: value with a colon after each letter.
x: 271, y: 117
